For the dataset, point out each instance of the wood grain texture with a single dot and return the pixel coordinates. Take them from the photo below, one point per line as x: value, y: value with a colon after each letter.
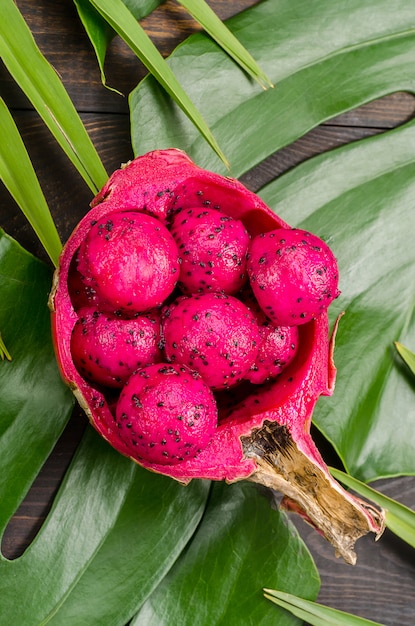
x: 382, y: 584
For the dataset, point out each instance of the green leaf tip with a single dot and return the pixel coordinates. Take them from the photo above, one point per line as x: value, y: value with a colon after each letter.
x: 4, y: 353
x: 314, y: 613
x: 407, y: 355
x: 214, y: 26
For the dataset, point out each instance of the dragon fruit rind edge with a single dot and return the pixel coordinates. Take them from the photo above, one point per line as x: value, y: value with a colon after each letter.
x: 192, y: 411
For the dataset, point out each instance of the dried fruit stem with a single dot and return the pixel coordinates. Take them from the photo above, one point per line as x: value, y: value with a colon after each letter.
x: 308, y: 490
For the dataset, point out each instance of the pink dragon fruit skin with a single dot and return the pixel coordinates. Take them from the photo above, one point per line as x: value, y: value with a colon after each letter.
x: 214, y: 334
x: 212, y: 248
x: 107, y: 349
x: 293, y: 275
x: 130, y: 260
x: 177, y: 398
x: 265, y: 437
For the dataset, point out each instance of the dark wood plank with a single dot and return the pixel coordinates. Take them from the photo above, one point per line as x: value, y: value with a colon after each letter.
x: 386, y: 112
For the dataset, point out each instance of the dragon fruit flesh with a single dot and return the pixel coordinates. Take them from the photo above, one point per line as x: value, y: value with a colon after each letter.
x: 107, y: 349
x: 214, y: 334
x: 293, y: 275
x: 277, y: 344
x: 277, y: 348
x: 130, y: 261
x: 192, y: 378
x: 166, y: 413
x: 212, y: 248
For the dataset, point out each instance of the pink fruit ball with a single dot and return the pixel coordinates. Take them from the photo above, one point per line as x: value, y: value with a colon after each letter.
x: 293, y: 274
x: 278, y: 346
x: 166, y: 414
x: 106, y: 350
x: 214, y: 334
x: 212, y: 248
x: 131, y: 262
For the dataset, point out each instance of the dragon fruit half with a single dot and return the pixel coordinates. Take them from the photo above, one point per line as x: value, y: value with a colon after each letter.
x: 191, y: 323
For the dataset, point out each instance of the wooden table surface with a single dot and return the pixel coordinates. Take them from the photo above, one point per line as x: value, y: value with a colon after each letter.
x: 381, y: 586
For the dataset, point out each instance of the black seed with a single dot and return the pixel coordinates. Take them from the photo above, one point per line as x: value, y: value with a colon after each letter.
x: 136, y: 401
